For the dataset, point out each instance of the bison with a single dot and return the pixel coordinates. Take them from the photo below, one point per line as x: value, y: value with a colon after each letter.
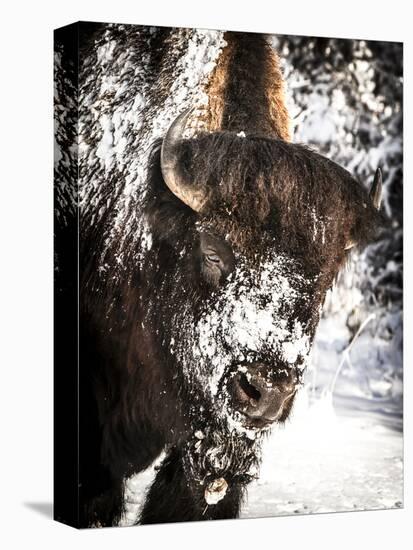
x: 207, y: 242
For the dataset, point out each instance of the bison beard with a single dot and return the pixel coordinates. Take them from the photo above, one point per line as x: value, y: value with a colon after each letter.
x: 164, y: 340
x: 191, y: 473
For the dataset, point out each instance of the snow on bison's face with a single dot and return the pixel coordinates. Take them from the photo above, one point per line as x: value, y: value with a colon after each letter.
x: 244, y: 346
x: 259, y: 232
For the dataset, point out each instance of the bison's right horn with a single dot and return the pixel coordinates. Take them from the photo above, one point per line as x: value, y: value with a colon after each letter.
x: 174, y: 175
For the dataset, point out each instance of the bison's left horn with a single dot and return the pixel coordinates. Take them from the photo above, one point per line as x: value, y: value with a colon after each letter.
x: 375, y: 196
x: 174, y: 174
x: 376, y: 189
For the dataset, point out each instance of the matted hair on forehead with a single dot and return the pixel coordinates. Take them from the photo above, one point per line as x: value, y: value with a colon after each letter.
x: 265, y: 182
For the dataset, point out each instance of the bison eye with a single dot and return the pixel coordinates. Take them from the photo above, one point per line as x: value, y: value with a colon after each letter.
x: 217, y: 259
x: 214, y: 258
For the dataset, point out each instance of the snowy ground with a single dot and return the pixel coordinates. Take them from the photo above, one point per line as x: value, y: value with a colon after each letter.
x: 324, y: 461
x: 329, y: 457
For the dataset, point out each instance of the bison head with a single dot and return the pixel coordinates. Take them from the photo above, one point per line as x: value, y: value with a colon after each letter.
x: 249, y: 233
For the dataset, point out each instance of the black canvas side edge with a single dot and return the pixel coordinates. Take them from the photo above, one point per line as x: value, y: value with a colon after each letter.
x: 66, y: 217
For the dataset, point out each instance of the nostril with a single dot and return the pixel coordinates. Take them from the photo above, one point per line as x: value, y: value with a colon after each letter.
x: 250, y: 391
x: 260, y: 395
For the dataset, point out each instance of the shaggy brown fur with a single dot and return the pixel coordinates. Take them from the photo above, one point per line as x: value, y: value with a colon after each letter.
x: 238, y: 102
x: 261, y: 187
